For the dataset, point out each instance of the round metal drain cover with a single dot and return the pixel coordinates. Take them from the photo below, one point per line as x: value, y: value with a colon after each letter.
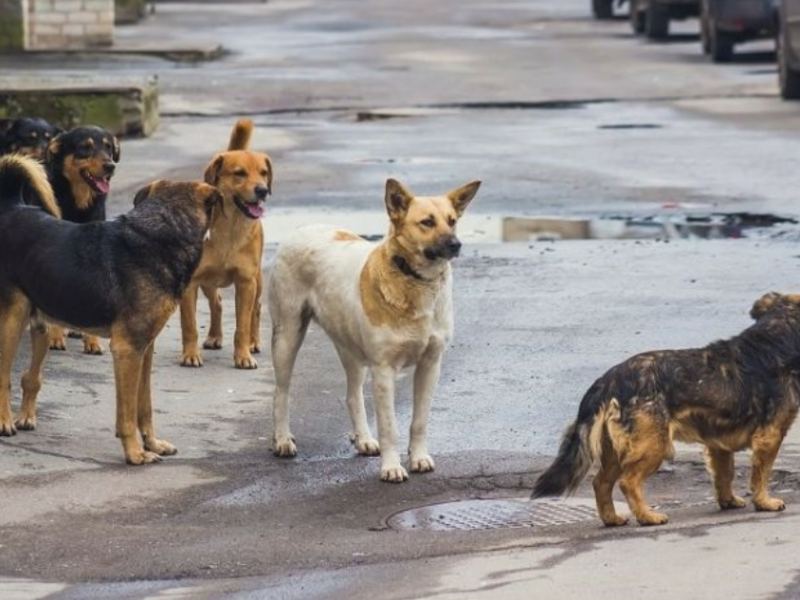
x: 495, y: 514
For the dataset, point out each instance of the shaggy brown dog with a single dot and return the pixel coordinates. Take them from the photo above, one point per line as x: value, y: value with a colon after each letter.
x: 120, y: 279
x: 232, y: 253
x: 731, y: 395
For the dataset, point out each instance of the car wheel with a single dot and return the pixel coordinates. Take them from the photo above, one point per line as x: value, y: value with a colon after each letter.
x: 721, y: 44
x: 656, y: 21
x: 637, y: 18
x: 603, y: 9
x: 788, y: 78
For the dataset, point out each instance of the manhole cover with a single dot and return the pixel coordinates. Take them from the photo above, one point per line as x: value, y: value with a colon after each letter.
x: 496, y: 514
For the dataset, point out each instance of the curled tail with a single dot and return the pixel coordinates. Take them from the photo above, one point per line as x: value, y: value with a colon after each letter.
x: 580, y: 446
x: 241, y: 134
x: 23, y: 180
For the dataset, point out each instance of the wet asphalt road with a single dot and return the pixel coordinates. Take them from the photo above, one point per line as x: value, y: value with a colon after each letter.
x: 558, y: 115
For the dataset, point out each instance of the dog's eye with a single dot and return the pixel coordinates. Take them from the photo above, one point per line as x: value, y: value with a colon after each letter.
x: 84, y: 152
x: 34, y: 135
x: 264, y: 173
x: 451, y: 221
x: 240, y: 173
x: 428, y: 223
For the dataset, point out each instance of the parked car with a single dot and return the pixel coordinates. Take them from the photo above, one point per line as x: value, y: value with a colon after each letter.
x: 788, y: 49
x: 652, y: 17
x: 604, y: 9
x: 725, y: 23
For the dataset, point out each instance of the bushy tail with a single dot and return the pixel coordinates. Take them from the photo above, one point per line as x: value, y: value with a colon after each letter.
x: 23, y: 180
x: 580, y: 446
x: 241, y: 134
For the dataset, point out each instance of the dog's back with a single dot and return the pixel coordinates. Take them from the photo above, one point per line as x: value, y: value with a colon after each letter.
x: 317, y: 271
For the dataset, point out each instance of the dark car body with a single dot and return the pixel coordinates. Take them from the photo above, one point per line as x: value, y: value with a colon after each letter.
x: 652, y: 17
x: 788, y: 46
x: 725, y: 23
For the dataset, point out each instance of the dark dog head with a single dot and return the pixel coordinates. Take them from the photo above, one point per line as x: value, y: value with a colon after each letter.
x: 244, y: 178
x: 86, y: 157
x: 200, y: 196
x: 774, y: 302
x: 424, y: 227
x: 27, y: 136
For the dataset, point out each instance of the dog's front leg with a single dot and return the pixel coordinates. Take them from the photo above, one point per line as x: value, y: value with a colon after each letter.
x: 128, y: 363
x: 12, y: 323
x: 245, y: 304
x: 145, y: 411
x: 32, y: 380
x: 383, y: 379
x: 765, y: 444
x: 426, y: 376
x: 191, y: 356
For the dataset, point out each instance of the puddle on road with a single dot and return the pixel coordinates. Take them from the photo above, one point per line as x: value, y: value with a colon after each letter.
x: 485, y: 228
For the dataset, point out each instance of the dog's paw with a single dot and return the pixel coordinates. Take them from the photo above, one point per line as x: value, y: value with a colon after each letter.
x: 212, y: 343
x: 393, y: 474
x: 190, y: 359
x: 142, y: 457
x: 769, y: 504
x: 421, y: 464
x: 245, y: 362
x: 7, y: 427
x: 25, y: 422
x: 91, y: 345
x: 58, y: 343
x: 615, y: 521
x: 652, y: 518
x: 284, y: 447
x: 733, y: 502
x: 160, y: 447
x: 365, y: 445
x: 255, y: 348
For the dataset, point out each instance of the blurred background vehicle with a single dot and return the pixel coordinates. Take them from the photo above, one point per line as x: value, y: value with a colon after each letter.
x: 652, y: 17
x: 788, y: 49
x: 604, y: 9
x: 725, y: 23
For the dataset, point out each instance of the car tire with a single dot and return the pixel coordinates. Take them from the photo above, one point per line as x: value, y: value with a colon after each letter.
x: 721, y: 44
x: 637, y: 18
x: 656, y: 21
x: 788, y: 78
x: 603, y: 9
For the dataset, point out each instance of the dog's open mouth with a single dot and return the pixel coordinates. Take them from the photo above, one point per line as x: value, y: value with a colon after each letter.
x: 101, y: 185
x: 252, y: 210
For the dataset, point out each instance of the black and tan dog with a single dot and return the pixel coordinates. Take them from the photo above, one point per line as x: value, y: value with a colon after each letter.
x: 120, y: 279
x: 232, y: 253
x: 80, y: 164
x: 730, y: 395
x: 29, y: 136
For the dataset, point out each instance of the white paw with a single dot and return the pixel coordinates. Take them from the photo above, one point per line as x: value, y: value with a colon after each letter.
x: 421, y: 463
x: 366, y: 445
x: 394, y: 474
x: 284, y: 446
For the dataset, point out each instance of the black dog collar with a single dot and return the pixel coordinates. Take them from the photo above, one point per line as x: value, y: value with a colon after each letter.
x: 405, y: 268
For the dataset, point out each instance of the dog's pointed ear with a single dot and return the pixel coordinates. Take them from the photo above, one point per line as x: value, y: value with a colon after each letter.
x: 461, y: 197
x: 211, y: 176
x: 53, y: 149
x: 115, y: 149
x: 764, y: 304
x: 145, y: 192
x: 398, y: 199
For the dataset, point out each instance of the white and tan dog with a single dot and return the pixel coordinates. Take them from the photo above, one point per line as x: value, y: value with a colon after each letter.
x: 385, y: 307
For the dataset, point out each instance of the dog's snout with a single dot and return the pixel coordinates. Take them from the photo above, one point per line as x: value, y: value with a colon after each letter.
x: 261, y: 192
x: 453, y: 246
x: 109, y: 167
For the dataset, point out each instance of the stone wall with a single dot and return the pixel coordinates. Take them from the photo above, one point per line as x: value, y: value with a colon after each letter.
x: 69, y: 24
x: 13, y: 26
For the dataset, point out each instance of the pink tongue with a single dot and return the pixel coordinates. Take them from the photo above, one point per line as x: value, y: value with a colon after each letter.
x: 102, y: 185
x: 255, y: 210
